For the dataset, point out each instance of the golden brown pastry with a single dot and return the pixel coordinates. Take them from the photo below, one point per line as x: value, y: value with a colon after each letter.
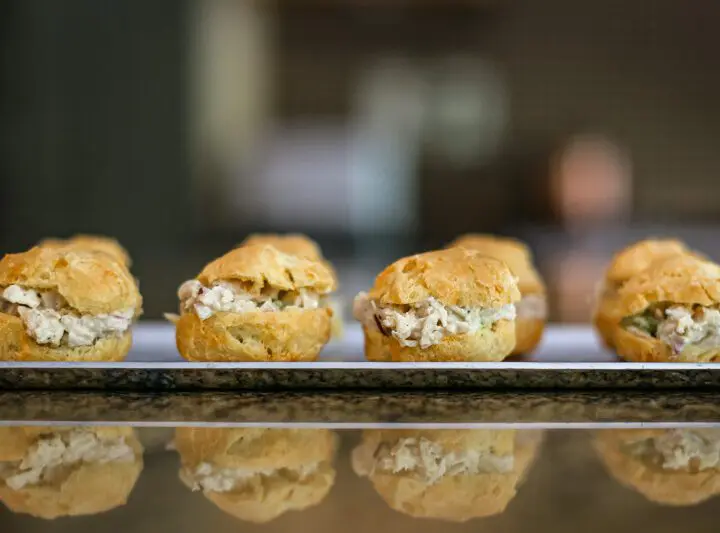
x: 61, y: 304
x: 50, y: 472
x: 670, y: 312
x: 453, y: 475
x: 96, y: 243
x: 301, y: 246
x: 667, y: 466
x: 289, y: 243
x: 532, y: 308
x: 256, y: 303
x: 258, y: 474
x: 448, y: 305
x: 627, y: 263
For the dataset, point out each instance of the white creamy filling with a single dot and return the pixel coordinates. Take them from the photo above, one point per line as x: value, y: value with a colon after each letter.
x: 429, y: 461
x: 426, y: 323
x: 48, y: 320
x: 677, y: 449
x: 210, y: 478
x: 230, y: 297
x: 55, y: 451
x: 532, y: 307
x: 681, y: 327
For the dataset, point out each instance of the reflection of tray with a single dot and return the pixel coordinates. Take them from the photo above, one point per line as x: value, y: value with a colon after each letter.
x: 363, y: 409
x: 568, y: 359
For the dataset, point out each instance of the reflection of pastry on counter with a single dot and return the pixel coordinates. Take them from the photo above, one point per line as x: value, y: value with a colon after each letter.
x: 301, y: 246
x: 626, y: 264
x: 258, y: 474
x: 448, y: 305
x: 52, y: 472
x: 668, y: 466
x: 532, y: 308
x: 92, y: 243
x: 256, y: 303
x: 447, y: 474
x: 670, y: 312
x: 62, y: 304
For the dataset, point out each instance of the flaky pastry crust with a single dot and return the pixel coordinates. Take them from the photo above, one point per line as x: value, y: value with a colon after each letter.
x: 515, y: 254
x: 17, y: 345
x: 92, y: 283
x: 683, y: 279
x: 262, y: 265
x: 289, y: 335
x: 96, y: 243
x: 455, y: 276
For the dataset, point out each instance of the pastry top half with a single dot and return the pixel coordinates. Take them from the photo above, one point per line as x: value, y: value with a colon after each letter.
x: 89, y: 282
x: 262, y: 266
x: 512, y: 252
x: 106, y: 245
x: 682, y: 279
x: 455, y: 276
x: 635, y: 258
x: 289, y: 243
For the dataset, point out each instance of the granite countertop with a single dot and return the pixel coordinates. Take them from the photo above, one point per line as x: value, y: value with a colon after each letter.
x: 361, y: 408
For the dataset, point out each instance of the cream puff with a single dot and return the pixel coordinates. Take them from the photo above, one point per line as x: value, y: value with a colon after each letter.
x: 627, y: 263
x: 447, y: 305
x: 667, y: 466
x: 671, y: 312
x: 453, y: 475
x: 50, y: 472
x: 62, y: 304
x: 256, y: 303
x: 532, y: 308
x: 96, y: 243
x: 258, y: 474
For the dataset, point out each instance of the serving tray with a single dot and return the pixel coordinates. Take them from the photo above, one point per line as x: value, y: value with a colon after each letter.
x: 569, y: 358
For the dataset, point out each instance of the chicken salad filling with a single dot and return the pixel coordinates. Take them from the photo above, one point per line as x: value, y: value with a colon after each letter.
x: 678, y: 326
x: 426, y: 323
x: 430, y: 462
x: 211, y: 478
x: 52, y: 456
x: 679, y: 449
x: 231, y: 297
x: 49, y: 320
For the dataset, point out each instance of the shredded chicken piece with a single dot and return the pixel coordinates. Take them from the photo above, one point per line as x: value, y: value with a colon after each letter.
x: 683, y: 327
x: 230, y: 297
x: 49, y: 320
x: 429, y: 461
x: 51, y: 453
x: 211, y: 478
x: 426, y: 323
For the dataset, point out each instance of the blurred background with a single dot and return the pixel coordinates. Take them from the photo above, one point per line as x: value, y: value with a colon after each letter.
x: 378, y: 127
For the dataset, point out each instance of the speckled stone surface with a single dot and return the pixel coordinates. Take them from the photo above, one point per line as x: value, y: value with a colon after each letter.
x: 179, y: 377
x: 358, y: 409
